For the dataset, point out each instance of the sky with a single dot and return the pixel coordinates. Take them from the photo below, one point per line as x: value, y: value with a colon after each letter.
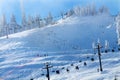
x: 43, y: 7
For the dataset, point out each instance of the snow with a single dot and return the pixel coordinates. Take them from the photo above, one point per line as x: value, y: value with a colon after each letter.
x: 69, y: 34
x: 70, y: 40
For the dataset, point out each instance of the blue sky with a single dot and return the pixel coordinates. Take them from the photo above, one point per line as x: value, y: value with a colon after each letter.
x: 42, y: 7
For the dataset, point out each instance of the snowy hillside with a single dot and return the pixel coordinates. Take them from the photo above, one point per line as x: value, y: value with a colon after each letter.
x: 69, y: 41
x: 73, y: 33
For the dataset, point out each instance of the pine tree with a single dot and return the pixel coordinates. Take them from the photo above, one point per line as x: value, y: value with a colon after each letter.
x: 103, y: 9
x: 77, y: 10
x: 24, y: 22
x: 93, y: 10
x: 42, y: 23
x: 49, y: 19
x: 33, y: 22
x: 13, y: 19
x: 38, y: 21
x: 106, y: 46
x: 70, y: 12
x: 62, y: 14
x: 3, y: 25
x: 0, y: 28
x: 118, y: 28
x: 13, y: 24
x: 93, y: 45
x: 4, y: 22
x: 29, y: 22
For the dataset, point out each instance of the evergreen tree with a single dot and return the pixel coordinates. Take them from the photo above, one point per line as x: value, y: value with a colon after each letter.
x: 62, y: 14
x: 4, y: 22
x: 70, y: 12
x: 118, y: 28
x: 49, y: 19
x: 103, y: 9
x: 24, y: 22
x: 37, y: 21
x: 77, y: 10
x: 13, y: 27
x: 33, y: 22
x: 0, y: 28
x: 106, y: 44
x: 93, y: 10
x: 3, y: 25
x: 42, y: 23
x: 93, y: 45
x: 29, y: 22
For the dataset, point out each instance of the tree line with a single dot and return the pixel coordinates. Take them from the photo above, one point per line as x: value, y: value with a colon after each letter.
x: 30, y: 22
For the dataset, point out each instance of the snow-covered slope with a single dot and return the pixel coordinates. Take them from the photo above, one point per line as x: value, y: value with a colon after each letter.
x: 69, y: 34
x: 23, y: 55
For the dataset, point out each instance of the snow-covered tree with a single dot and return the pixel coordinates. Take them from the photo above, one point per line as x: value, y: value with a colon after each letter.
x: 42, y: 23
x: 77, y: 10
x: 24, y: 22
x: 92, y: 10
x: 13, y: 26
x: 0, y: 27
x: 29, y: 22
x: 62, y: 14
x: 93, y: 45
x: 13, y: 19
x: 70, y: 12
x: 5, y: 29
x: 49, y: 19
x: 38, y: 21
x: 85, y: 11
x: 33, y: 22
x: 103, y: 9
x: 118, y: 28
x: 106, y: 44
x: 4, y: 26
x: 4, y: 22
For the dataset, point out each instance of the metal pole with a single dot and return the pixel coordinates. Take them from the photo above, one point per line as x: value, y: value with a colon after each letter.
x: 99, y: 54
x: 48, y: 75
x: 47, y: 68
